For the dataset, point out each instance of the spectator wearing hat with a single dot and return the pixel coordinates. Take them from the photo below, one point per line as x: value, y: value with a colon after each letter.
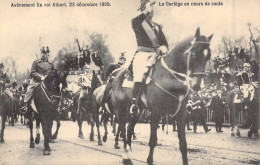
x: 217, y: 106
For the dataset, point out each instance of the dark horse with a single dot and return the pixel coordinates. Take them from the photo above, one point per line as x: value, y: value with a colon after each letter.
x: 174, y: 77
x: 46, y: 97
x: 8, y: 109
x: 87, y: 108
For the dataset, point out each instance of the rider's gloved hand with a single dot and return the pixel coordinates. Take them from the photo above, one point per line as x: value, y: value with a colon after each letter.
x: 43, y: 77
x: 162, y: 50
x: 147, y: 8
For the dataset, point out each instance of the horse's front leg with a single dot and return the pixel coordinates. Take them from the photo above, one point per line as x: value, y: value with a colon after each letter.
x: 130, y: 129
x: 37, y: 139
x: 91, y: 136
x: 182, y: 137
x: 100, y: 143
x: 114, y: 128
x: 153, y: 136
x: 2, y: 129
x: 116, y: 146
x: 12, y: 119
x: 80, y: 135
x: 46, y: 130
x: 51, y: 140
x: 30, y: 124
x: 57, y: 129
x: 127, y: 156
x: 105, y: 127
x: 21, y: 118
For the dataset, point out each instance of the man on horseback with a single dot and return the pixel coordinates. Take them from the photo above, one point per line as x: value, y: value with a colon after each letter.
x: 39, y: 71
x: 85, y: 83
x: 109, y: 77
x: 150, y: 42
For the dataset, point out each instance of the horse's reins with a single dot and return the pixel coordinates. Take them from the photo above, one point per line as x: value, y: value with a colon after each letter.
x: 183, y: 75
x: 45, y: 92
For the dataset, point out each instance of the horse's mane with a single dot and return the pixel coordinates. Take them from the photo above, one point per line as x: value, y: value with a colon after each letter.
x: 181, y: 46
x: 177, y: 52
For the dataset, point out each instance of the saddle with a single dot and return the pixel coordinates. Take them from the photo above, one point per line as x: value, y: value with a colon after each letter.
x: 129, y: 83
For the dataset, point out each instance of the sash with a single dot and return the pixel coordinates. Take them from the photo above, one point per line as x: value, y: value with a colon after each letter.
x: 151, y: 34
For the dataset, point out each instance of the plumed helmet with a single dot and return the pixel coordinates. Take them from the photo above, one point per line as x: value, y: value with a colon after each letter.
x: 143, y: 3
x: 122, y: 58
x: 43, y: 51
x: 47, y: 50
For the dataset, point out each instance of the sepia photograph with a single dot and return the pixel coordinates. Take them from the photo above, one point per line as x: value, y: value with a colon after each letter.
x: 137, y: 82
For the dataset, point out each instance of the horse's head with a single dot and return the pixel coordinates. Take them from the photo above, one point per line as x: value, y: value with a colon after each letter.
x: 197, y: 53
x: 197, y: 57
x: 55, y: 81
x: 52, y: 82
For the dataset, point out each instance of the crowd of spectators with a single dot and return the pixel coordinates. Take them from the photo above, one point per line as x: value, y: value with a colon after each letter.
x: 212, y: 103
x: 75, y: 61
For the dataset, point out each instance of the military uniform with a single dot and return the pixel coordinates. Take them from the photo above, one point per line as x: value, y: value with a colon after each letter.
x: 150, y: 40
x: 84, y: 98
x: 85, y: 83
x: 200, y: 114
x: 149, y: 37
x: 39, y: 69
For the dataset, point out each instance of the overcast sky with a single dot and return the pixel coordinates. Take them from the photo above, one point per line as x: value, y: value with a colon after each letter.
x: 20, y: 28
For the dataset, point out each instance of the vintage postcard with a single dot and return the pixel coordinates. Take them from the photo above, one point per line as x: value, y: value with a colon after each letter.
x: 129, y: 82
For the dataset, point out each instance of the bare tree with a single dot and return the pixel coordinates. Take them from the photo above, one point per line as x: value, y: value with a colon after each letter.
x: 10, y: 67
x: 98, y: 45
x: 253, y: 42
x: 230, y: 43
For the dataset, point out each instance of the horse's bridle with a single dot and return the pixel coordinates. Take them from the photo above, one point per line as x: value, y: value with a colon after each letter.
x: 186, y: 76
x: 47, y: 94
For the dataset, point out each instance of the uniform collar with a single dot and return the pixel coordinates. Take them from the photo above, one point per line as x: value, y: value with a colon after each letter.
x: 44, y: 60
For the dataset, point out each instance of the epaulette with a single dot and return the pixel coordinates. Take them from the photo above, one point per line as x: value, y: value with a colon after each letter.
x: 37, y: 61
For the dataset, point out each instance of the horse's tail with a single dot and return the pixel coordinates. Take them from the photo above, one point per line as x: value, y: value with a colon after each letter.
x: 118, y: 81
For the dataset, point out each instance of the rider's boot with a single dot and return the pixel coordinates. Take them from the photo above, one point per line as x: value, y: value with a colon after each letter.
x: 136, y: 91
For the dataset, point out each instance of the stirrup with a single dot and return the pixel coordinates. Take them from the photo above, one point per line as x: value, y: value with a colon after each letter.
x: 134, y: 108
